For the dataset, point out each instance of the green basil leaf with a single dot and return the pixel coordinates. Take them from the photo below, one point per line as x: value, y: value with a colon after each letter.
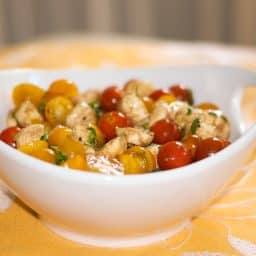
x: 195, y: 124
x: 96, y: 107
x: 92, y: 137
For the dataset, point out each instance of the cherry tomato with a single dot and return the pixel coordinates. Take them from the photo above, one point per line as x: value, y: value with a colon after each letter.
x: 77, y: 162
x: 46, y: 155
x: 149, y: 103
x: 182, y: 93
x: 167, y: 98
x: 58, y: 135
x: 8, y: 135
x: 62, y: 138
x: 226, y: 143
x: 57, y: 109
x: 172, y: 155
x: 110, y: 98
x: 191, y: 144
x: 29, y: 92
x: 210, y: 146
x: 165, y: 130
x: 207, y: 106
x: 39, y: 149
x: 62, y: 87
x: 155, y: 95
x: 33, y: 146
x: 109, y: 121
x: 137, y: 160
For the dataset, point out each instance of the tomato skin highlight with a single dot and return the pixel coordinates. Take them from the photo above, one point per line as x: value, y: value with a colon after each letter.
x: 172, y: 155
x: 165, y: 130
x: 155, y: 95
x: 109, y: 121
x: 182, y: 93
x: 210, y: 146
x: 110, y: 98
x: 8, y: 135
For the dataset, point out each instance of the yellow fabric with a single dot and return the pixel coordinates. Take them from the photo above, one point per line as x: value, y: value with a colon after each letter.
x: 227, y: 227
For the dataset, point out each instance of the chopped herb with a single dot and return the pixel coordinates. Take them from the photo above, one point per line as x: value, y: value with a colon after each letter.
x: 41, y: 107
x: 60, y: 157
x: 182, y: 132
x: 13, y: 114
x: 190, y: 97
x: 96, y: 106
x: 224, y: 118
x: 189, y: 112
x: 212, y: 113
x: 145, y: 126
x: 44, y: 137
x: 92, y: 137
x: 195, y: 124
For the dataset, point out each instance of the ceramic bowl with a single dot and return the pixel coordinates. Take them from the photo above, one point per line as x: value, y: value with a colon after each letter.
x: 118, y: 211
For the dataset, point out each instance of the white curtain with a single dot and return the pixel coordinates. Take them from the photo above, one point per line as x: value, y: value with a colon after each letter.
x: 231, y: 21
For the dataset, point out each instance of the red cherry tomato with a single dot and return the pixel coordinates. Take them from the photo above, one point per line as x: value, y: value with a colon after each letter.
x: 225, y: 143
x: 172, y: 155
x: 109, y: 121
x: 210, y: 146
x: 182, y: 93
x: 155, y: 95
x: 8, y: 135
x: 110, y: 98
x: 191, y: 144
x: 165, y: 130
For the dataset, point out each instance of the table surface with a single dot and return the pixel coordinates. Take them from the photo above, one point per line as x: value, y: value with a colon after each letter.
x: 227, y: 227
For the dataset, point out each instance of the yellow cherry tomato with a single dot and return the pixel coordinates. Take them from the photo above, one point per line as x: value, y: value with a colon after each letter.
x: 33, y: 146
x: 72, y: 146
x: 26, y: 91
x: 62, y: 87
x: 207, y: 106
x: 57, y: 109
x: 58, y: 134
x: 40, y: 150
x: 149, y: 103
x: 61, y: 138
x: 45, y: 154
x: 77, y: 162
x: 167, y: 98
x: 137, y: 160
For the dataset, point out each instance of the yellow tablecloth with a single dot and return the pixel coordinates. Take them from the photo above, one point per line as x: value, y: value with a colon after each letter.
x: 227, y: 227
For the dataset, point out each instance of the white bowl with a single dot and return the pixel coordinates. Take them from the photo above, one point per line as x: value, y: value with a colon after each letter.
x: 129, y: 210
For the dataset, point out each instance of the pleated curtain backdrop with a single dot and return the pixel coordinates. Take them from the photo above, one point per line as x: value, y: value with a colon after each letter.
x: 231, y: 21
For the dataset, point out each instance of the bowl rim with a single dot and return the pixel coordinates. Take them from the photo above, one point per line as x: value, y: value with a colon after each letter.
x: 133, y: 179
